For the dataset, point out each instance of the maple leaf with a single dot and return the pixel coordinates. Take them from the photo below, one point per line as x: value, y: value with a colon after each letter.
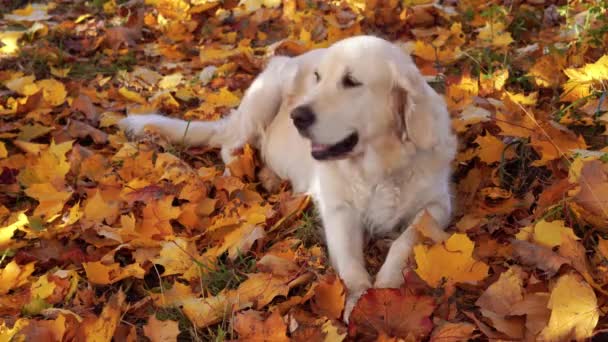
x: 252, y: 327
x: 572, y: 317
x: 393, y: 313
x: 157, y: 217
x: 51, y: 201
x: 452, y: 332
x: 329, y: 297
x: 581, y: 80
x: 13, y: 276
x: 103, y: 328
x: 161, y: 331
x: 497, y: 300
x: 98, y: 273
x: 449, y: 263
x: 494, y: 34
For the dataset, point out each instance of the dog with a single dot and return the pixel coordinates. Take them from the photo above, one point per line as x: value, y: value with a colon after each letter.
x: 357, y: 127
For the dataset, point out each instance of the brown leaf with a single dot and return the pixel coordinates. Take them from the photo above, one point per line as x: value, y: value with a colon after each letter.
x: 84, y: 104
x: 534, y: 306
x: 161, y: 331
x: 594, y: 188
x: 452, y: 332
x: 79, y: 129
x: 392, y: 312
x: 538, y: 256
x: 252, y: 327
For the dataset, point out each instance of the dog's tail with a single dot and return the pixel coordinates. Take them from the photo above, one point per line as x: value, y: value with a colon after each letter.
x: 258, y: 107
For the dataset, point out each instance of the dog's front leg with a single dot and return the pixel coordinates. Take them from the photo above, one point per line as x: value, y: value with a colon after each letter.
x: 391, y: 272
x: 344, y: 235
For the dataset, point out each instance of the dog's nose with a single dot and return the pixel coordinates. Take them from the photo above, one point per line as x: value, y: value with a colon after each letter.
x: 303, y: 117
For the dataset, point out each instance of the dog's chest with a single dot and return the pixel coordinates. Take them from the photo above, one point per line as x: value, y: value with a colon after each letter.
x: 382, y: 205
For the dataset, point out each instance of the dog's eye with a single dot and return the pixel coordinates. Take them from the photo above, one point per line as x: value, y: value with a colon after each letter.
x: 317, y: 76
x: 349, y: 82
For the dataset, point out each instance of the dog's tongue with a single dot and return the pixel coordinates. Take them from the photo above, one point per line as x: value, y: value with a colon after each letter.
x: 318, y: 147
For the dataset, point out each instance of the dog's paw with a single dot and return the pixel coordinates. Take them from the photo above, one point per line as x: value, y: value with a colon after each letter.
x: 350, y: 303
x: 133, y: 125
x: 388, y: 279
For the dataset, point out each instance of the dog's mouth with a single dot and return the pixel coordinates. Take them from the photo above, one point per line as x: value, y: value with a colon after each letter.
x: 337, y: 150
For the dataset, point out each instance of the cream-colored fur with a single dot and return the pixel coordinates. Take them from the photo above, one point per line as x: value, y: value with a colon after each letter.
x: 399, y: 167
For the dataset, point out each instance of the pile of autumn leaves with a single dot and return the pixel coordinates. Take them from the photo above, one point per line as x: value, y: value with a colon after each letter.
x: 101, y: 237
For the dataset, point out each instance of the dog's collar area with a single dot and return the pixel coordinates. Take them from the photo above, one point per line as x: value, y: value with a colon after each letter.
x: 335, y: 151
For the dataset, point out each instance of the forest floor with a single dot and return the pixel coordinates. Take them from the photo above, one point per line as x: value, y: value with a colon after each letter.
x: 102, y: 237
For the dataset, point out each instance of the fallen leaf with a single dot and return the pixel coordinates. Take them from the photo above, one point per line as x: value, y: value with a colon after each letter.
x: 161, y: 331
x: 252, y: 327
x: 102, y: 328
x: 572, y: 317
x: 541, y: 257
x: 329, y: 297
x: 449, y: 263
x: 393, y: 313
x: 452, y: 332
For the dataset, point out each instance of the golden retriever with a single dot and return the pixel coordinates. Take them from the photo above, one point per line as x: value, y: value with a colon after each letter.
x: 357, y: 127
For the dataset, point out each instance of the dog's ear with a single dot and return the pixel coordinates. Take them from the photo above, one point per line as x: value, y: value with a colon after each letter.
x: 421, y: 112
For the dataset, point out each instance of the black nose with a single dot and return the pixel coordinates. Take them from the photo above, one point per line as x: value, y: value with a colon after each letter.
x: 303, y: 117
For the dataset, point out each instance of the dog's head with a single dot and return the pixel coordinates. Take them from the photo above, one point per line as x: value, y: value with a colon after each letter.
x: 364, y: 88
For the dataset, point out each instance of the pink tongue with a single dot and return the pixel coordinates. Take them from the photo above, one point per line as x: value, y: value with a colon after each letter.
x: 318, y: 147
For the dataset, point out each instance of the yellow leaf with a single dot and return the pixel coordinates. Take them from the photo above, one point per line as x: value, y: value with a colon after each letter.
x: 42, y: 288
x: 60, y: 72
x: 550, y: 233
x: 101, y: 274
x: 490, y: 83
x: 23, y: 85
x: 176, y: 256
x: 169, y: 82
x: 50, y: 166
x: 259, y: 290
x: 494, y: 34
x: 51, y: 200
x: 157, y: 217
x: 97, y: 209
x: 3, y: 151
x: 53, y: 92
x: 8, y: 40
x: 451, y: 261
x: 581, y: 80
x: 7, y: 334
x: 203, y: 312
x: 102, y: 329
x: 6, y: 232
x: 13, y: 276
x: 331, y: 332
x: 459, y: 95
x: 574, y: 311
x: 490, y: 148
x: 131, y: 95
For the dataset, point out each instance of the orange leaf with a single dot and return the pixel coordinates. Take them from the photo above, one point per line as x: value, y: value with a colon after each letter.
x: 252, y: 327
x: 329, y: 297
x: 393, y: 313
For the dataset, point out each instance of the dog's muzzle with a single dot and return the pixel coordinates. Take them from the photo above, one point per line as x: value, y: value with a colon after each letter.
x: 335, y: 151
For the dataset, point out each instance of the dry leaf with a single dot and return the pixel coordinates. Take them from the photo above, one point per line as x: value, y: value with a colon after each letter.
x: 329, y: 297
x: 449, y: 263
x: 393, y: 313
x: 572, y: 317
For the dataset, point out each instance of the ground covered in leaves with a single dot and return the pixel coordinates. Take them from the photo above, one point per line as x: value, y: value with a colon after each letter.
x: 103, y: 238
